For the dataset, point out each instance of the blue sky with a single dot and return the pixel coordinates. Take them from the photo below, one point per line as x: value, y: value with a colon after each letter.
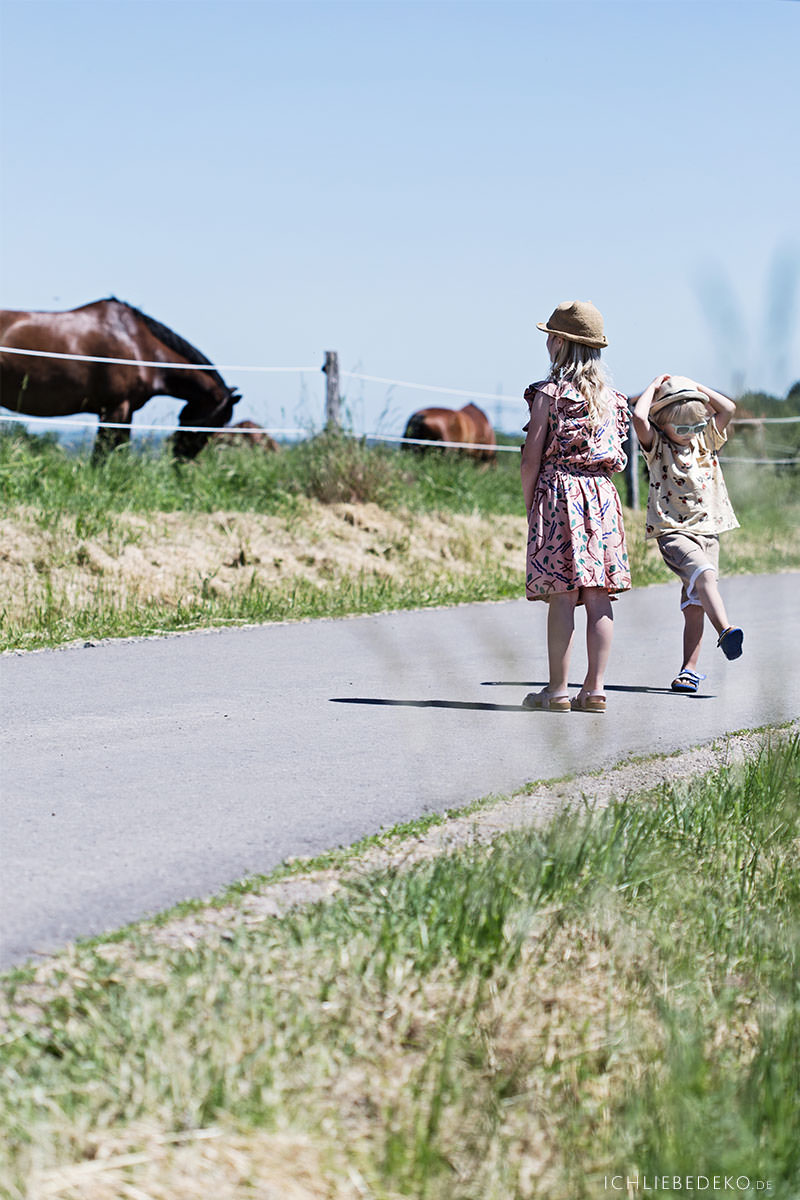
x: 411, y: 184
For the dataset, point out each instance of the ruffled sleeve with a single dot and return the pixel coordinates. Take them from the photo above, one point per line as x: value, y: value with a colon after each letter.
x: 545, y: 385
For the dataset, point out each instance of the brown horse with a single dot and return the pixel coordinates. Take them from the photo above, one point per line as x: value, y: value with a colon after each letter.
x: 467, y: 424
x: 244, y: 433
x: 54, y: 387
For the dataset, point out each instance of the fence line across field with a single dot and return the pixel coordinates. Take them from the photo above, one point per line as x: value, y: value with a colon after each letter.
x: 70, y: 423
x: 333, y: 404
x: 396, y: 439
x: 331, y: 364
x: 497, y: 397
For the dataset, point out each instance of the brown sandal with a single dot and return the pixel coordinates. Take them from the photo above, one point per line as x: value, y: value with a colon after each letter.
x: 546, y: 702
x: 595, y: 703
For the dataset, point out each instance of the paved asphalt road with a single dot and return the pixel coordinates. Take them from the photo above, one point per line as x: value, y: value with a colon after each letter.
x: 137, y: 774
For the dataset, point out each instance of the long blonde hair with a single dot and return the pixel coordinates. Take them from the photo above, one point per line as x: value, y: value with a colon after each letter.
x: 581, y: 367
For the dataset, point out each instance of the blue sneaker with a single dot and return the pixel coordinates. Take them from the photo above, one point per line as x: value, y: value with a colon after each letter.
x: 730, y: 642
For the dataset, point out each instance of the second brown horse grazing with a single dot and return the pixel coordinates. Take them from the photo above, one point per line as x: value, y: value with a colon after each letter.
x: 244, y: 433
x: 56, y: 387
x: 467, y: 424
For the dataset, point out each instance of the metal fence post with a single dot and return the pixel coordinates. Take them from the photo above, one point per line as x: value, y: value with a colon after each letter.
x: 332, y: 398
x: 631, y: 445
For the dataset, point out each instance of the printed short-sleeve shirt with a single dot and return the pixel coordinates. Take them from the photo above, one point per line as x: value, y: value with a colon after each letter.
x: 687, y: 489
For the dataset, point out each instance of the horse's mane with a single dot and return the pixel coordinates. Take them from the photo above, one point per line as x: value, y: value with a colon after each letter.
x: 174, y: 341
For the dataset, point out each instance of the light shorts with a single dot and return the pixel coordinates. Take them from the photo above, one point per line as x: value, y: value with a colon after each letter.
x: 689, y: 555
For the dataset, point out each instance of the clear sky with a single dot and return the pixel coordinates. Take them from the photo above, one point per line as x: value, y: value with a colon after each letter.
x: 413, y: 184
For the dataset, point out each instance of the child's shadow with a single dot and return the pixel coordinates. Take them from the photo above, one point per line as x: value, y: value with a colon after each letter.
x: 480, y: 706
x: 477, y: 705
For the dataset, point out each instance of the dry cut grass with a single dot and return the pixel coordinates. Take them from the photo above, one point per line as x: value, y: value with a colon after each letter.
x: 143, y: 1162
x: 184, y: 559
x: 177, y: 557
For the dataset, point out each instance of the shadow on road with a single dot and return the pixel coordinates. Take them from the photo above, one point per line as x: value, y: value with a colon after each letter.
x: 481, y: 706
x: 610, y: 687
x: 428, y: 703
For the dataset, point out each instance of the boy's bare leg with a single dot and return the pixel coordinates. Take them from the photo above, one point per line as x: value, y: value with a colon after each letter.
x: 694, y: 619
x: 599, y: 635
x: 560, y: 631
x: 711, y: 600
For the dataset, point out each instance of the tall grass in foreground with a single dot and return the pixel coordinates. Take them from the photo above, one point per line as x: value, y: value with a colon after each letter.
x: 615, y: 994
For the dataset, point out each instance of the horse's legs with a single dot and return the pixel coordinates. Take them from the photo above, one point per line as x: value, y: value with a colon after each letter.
x: 108, y: 439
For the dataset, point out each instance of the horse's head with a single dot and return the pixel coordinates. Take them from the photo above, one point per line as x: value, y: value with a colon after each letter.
x: 214, y: 408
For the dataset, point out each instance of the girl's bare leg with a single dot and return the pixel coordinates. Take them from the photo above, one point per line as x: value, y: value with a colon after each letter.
x: 599, y: 635
x: 560, y: 631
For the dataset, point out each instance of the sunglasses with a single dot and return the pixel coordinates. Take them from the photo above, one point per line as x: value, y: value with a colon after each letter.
x: 684, y: 430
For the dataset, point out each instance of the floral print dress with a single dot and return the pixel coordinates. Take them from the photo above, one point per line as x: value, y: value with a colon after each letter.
x: 576, y: 536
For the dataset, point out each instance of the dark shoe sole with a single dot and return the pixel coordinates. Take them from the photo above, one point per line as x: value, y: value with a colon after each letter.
x: 730, y: 643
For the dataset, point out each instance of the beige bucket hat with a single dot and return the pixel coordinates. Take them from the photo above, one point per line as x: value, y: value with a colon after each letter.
x: 676, y: 390
x: 577, y: 321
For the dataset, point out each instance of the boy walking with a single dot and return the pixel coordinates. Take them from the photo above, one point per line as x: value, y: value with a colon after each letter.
x: 681, y: 426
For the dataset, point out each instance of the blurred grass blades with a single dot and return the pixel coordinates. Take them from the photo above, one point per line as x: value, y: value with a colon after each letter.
x: 615, y: 991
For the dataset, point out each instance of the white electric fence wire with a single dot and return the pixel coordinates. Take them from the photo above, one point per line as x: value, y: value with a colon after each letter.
x: 761, y: 462
x: 69, y: 423
x: 429, y: 387
x: 764, y: 420
x: 389, y: 437
x: 138, y: 362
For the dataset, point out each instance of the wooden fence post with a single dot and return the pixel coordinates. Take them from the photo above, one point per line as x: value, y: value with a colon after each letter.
x: 631, y: 445
x: 332, y: 398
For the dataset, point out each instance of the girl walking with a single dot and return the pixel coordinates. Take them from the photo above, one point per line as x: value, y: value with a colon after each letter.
x: 576, y: 538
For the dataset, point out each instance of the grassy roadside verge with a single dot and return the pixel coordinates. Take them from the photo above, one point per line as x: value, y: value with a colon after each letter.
x: 612, y: 993
x: 55, y: 621
x: 329, y: 528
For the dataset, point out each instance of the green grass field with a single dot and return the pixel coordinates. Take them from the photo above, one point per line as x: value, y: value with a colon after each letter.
x: 327, y: 467
x: 614, y: 994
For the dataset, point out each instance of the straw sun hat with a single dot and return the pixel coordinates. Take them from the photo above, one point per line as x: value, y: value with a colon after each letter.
x: 577, y: 321
x: 676, y: 390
